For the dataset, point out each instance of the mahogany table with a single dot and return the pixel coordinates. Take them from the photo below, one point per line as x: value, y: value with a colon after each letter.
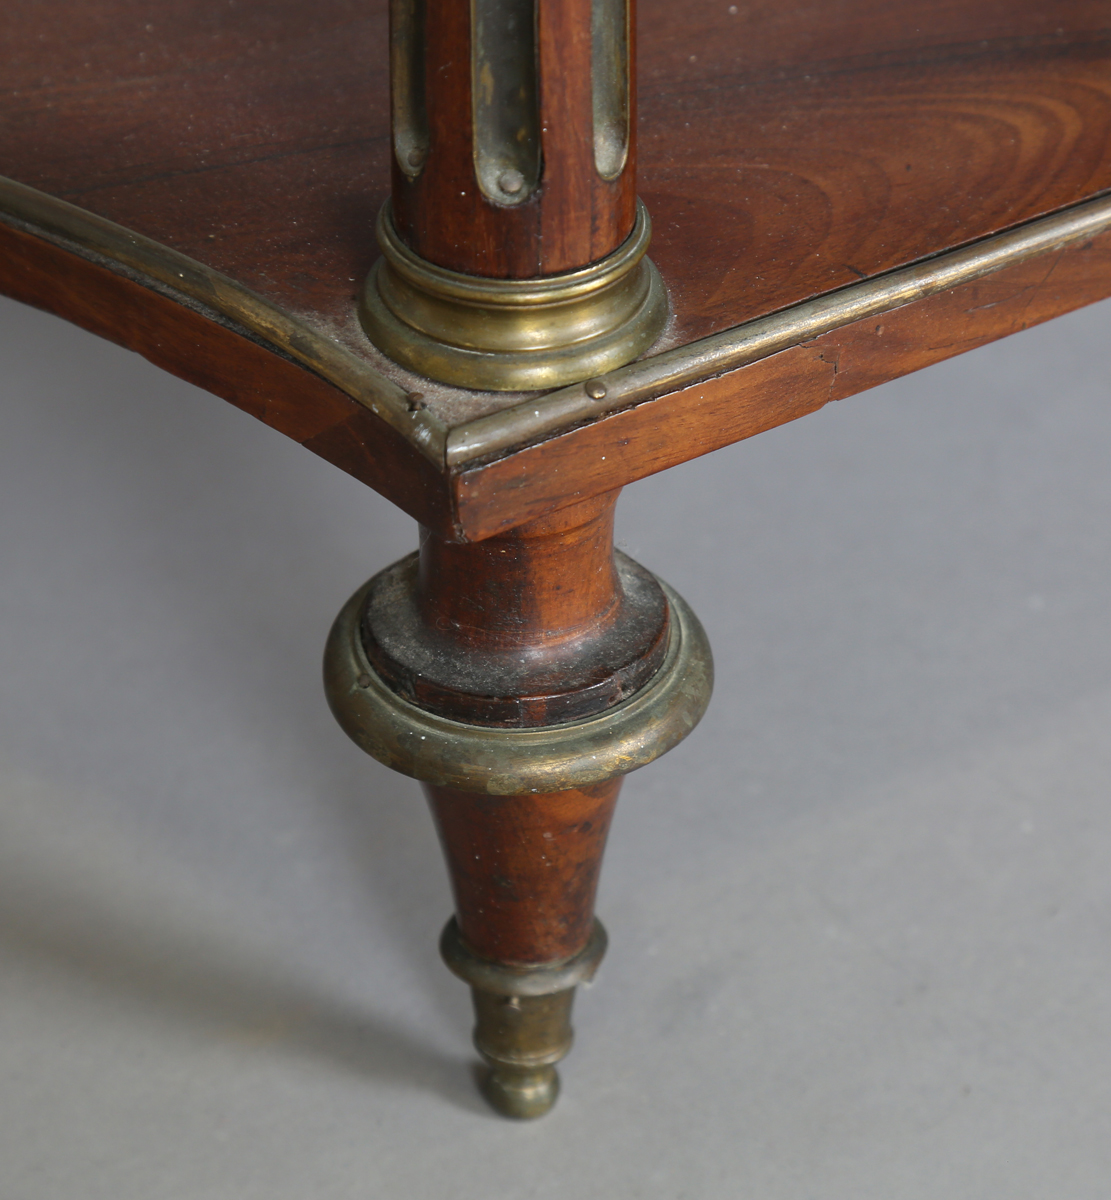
x: 835, y: 196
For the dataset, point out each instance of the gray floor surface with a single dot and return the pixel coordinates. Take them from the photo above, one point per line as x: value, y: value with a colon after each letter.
x: 860, y: 921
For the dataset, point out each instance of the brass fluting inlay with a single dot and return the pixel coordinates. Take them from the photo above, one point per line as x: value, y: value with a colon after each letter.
x: 513, y: 334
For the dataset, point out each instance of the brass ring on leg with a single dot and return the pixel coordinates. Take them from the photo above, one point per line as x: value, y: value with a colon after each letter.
x: 514, y: 762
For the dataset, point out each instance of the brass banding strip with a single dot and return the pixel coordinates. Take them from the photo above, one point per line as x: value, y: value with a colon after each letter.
x: 731, y: 349
x: 505, y: 979
x: 177, y: 273
x: 544, y: 416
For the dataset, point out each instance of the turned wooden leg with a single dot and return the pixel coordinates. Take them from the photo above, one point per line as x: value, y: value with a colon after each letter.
x: 520, y: 679
x: 524, y: 871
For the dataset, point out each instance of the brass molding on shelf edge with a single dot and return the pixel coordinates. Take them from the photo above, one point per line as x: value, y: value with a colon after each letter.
x: 553, y: 412
x: 657, y: 375
x: 76, y: 229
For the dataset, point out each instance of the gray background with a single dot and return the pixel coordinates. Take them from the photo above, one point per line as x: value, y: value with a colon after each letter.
x: 861, y: 941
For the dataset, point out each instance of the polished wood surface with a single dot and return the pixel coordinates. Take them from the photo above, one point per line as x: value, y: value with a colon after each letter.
x: 524, y: 869
x: 784, y: 151
x: 536, y: 626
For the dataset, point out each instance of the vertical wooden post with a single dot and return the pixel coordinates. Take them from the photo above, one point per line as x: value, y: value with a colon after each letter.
x: 518, y: 174
x: 514, y: 245
x: 522, y: 677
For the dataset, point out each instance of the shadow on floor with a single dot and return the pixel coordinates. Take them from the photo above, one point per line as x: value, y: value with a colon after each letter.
x: 215, y: 980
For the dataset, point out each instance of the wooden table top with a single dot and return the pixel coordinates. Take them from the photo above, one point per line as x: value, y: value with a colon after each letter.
x: 787, y: 151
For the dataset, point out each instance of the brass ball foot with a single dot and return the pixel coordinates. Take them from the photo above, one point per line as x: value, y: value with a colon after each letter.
x: 522, y: 1093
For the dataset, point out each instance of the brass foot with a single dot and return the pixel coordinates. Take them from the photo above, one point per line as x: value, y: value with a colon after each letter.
x: 522, y: 1038
x: 522, y: 1019
x: 521, y: 1093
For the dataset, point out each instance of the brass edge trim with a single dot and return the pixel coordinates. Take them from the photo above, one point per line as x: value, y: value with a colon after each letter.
x: 517, y: 762
x: 179, y: 273
x: 655, y: 376
x: 503, y: 979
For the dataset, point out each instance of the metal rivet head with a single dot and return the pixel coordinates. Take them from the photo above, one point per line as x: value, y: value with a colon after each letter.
x: 595, y: 389
x: 415, y: 157
x: 364, y: 680
x: 511, y: 182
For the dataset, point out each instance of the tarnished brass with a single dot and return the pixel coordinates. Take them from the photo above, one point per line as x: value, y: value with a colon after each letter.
x: 505, y: 101
x: 507, y: 979
x: 521, y: 1039
x: 509, y: 762
x: 513, y: 334
x: 610, y: 84
x: 409, y: 114
x: 608, y: 389
x: 731, y: 349
x: 522, y: 1019
x: 200, y: 287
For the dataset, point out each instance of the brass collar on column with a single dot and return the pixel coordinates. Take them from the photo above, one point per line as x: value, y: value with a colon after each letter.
x: 513, y: 334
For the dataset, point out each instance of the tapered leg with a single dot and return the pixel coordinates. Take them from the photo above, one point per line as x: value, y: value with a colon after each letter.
x: 524, y: 871
x: 520, y: 679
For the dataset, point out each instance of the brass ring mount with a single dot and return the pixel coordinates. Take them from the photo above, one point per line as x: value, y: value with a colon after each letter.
x: 505, y: 979
x: 511, y: 762
x: 513, y: 334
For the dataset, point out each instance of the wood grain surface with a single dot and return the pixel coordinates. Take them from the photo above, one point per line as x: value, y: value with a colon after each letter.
x: 524, y: 869
x: 784, y: 151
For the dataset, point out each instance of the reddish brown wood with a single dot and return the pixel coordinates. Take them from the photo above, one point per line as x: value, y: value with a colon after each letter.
x: 216, y: 357
x: 552, y: 580
x: 781, y: 154
x: 255, y: 137
x: 524, y: 869
x: 535, y: 604
x: 574, y: 217
x: 582, y: 217
x: 697, y: 420
x: 534, y: 627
